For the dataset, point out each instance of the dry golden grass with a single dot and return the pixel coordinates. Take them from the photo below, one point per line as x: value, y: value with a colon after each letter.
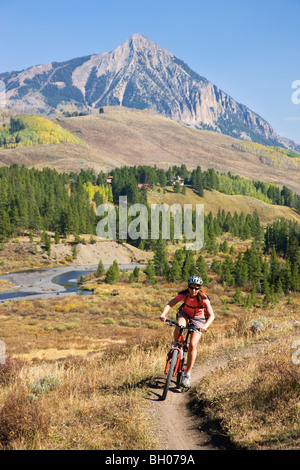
x: 255, y: 399
x: 214, y: 201
x: 147, y: 138
x: 100, y: 348
x: 144, y: 138
x: 79, y: 367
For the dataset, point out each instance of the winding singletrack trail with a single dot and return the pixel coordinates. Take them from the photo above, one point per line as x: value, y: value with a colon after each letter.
x: 174, y: 425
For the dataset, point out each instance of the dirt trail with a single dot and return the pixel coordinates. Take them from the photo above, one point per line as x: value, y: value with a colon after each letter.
x: 174, y: 425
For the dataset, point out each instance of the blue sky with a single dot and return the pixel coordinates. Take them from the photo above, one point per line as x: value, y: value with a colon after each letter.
x: 251, y: 50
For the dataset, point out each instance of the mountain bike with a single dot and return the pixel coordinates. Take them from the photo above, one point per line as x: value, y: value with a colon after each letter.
x: 177, y: 356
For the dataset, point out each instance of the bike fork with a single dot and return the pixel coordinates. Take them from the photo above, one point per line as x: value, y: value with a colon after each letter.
x: 182, y: 367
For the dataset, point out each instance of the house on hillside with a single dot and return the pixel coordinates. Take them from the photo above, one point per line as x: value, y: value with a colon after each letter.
x: 177, y: 179
x: 146, y: 185
x: 109, y: 179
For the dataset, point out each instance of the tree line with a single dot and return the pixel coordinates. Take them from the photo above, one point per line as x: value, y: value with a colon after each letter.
x: 256, y: 270
x: 44, y: 200
x: 228, y: 183
x: 126, y: 179
x: 33, y: 200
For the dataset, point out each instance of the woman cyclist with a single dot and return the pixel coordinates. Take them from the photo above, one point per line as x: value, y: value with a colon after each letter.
x: 197, y: 310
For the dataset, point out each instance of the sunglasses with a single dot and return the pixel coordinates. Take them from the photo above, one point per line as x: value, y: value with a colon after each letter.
x: 194, y: 288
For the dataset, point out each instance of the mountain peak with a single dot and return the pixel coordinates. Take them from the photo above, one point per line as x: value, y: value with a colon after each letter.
x: 138, y: 37
x: 137, y: 74
x: 139, y: 43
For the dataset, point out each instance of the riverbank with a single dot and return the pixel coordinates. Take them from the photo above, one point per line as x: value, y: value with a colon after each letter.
x: 25, y: 253
x: 46, y: 283
x: 27, y: 270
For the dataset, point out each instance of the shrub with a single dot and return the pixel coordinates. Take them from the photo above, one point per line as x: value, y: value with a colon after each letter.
x: 109, y: 321
x: 10, y: 370
x: 22, y: 419
x: 45, y: 384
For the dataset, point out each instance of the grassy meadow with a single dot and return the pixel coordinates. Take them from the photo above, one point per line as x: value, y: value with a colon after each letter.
x: 79, y: 368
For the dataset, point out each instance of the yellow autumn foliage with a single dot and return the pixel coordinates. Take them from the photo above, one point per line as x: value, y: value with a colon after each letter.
x: 30, y: 130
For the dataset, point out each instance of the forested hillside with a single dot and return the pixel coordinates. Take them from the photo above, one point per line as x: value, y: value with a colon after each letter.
x: 33, y: 201
x: 47, y: 200
x: 28, y: 130
x: 126, y: 179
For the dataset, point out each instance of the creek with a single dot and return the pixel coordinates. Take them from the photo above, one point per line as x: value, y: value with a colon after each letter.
x: 48, y: 282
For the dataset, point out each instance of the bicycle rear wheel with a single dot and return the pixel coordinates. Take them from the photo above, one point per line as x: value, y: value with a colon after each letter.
x: 170, y: 373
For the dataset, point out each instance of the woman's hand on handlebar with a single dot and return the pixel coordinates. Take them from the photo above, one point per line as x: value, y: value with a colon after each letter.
x: 162, y: 318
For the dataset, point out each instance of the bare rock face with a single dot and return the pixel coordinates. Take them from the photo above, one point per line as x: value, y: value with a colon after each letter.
x: 138, y: 74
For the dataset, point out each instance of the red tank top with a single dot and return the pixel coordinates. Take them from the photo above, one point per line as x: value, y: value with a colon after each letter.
x: 191, y: 306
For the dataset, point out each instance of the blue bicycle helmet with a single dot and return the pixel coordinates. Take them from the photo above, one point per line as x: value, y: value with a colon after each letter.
x: 195, y: 280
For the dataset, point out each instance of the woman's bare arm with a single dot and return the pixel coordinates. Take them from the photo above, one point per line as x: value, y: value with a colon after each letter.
x: 167, y: 308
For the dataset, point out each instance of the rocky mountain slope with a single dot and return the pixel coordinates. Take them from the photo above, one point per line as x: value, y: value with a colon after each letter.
x: 138, y: 74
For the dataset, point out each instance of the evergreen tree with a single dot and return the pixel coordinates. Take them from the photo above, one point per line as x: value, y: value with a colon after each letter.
x: 150, y: 272
x: 254, y: 261
x: 265, y: 287
x: 100, y: 269
x: 177, y: 187
x: 189, y: 266
x: 210, y: 243
x: 227, y: 276
x: 287, y: 280
x: 246, y: 231
x: 210, y: 179
x: 197, y: 181
x: 5, y: 227
x: 295, y: 286
x: 274, y: 267
x: 251, y: 299
x: 241, y: 272
x: 293, y: 251
x: 179, y: 255
x: 224, y: 247
x: 113, y: 273
x: 175, y: 272
x: 46, y: 239
x: 216, y: 266
x: 201, y: 269
x: 14, y: 220
x: 267, y: 298
x: 287, y: 196
x: 160, y: 257
x: 237, y: 296
x: 56, y: 237
x: 136, y: 273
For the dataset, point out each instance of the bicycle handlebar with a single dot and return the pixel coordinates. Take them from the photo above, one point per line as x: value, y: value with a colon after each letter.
x: 175, y: 323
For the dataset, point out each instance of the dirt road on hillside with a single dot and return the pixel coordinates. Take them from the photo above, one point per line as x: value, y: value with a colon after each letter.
x: 173, y: 424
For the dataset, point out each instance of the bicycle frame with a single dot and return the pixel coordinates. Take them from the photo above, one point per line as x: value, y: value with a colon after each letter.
x: 182, y: 346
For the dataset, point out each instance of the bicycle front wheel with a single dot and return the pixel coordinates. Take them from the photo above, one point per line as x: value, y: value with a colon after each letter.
x: 179, y: 373
x: 170, y: 373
